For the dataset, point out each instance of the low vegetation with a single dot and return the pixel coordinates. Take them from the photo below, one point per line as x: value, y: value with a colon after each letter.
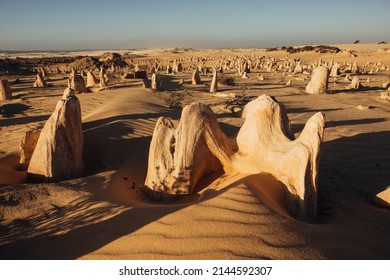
x: 227, y: 80
x: 317, y: 49
x: 173, y: 98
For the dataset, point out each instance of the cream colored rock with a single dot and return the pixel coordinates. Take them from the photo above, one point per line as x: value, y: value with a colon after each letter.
x: 267, y: 145
x: 102, y: 78
x: 5, y: 90
x: 383, y: 198
x: 214, y: 83
x: 155, y: 82
x: 27, y: 147
x: 298, y: 68
x: 91, y: 80
x: 179, y: 158
x: 58, y: 153
x: 319, y: 81
x: 77, y: 83
x: 355, y: 83
x: 39, y: 81
x: 43, y: 72
x: 270, y: 64
x: 196, y: 77
x: 385, y: 95
x: 386, y: 84
x: 169, y: 69
x: 363, y: 107
x: 335, y: 71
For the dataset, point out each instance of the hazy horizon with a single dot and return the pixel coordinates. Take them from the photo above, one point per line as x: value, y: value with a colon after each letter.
x: 98, y: 25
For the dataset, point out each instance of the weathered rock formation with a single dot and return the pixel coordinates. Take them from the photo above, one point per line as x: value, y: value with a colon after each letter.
x: 102, y: 78
x: 43, y: 72
x: 169, y: 69
x: 109, y: 58
x: 383, y: 198
x: 58, y: 153
x: 319, y: 81
x: 385, y: 95
x: 91, y: 80
x: 214, y: 83
x: 386, y: 84
x: 27, y: 147
x: 77, y: 83
x: 155, y: 82
x: 335, y: 70
x: 298, y: 68
x: 39, y: 81
x: 196, y: 77
x: 179, y: 158
x: 5, y: 90
x: 355, y: 83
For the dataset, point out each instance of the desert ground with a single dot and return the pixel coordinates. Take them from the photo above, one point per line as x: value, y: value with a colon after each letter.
x: 230, y: 215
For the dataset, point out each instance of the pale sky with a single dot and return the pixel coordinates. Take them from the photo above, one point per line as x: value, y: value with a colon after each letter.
x: 120, y: 24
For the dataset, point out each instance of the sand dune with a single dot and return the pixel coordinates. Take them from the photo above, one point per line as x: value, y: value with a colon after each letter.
x: 102, y: 215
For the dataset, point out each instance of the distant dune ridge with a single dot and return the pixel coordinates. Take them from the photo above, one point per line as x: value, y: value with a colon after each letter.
x: 247, y: 177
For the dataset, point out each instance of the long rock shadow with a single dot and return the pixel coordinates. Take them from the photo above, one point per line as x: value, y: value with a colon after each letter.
x: 299, y: 127
x: 174, y: 114
x: 168, y: 82
x: 23, y: 120
x: 9, y: 110
x: 112, y: 134
x: 81, y: 240
x: 299, y: 110
x: 362, y: 89
x: 355, y: 167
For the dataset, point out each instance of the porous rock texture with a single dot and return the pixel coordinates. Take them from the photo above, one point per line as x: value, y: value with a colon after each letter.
x: 91, y: 80
x: 179, y: 158
x: 27, y: 147
x: 39, y: 81
x: 319, y: 81
x: 58, y: 153
x: 214, y: 83
x: 5, y: 90
x: 77, y: 83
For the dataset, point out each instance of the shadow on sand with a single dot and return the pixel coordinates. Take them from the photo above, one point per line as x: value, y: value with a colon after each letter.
x: 350, y: 168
